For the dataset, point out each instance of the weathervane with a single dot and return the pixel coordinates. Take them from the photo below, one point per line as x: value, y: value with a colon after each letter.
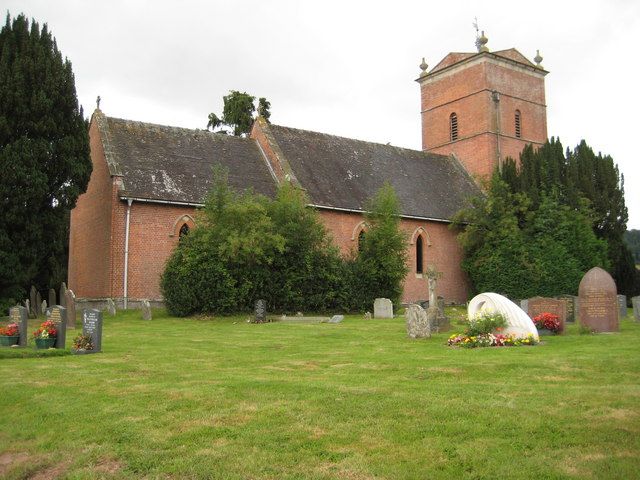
x: 98, y: 103
x: 475, y: 25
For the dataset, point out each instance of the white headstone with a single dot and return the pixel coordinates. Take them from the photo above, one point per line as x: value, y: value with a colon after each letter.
x: 382, y: 308
x: 518, y: 322
x: 336, y: 319
x: 146, y: 310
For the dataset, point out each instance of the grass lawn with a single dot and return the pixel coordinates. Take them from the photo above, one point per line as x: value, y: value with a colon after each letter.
x: 220, y: 398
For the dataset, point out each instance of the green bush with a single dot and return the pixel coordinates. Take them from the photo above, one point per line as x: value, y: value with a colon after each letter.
x: 484, y: 323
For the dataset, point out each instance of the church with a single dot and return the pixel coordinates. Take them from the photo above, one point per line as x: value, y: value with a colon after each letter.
x: 148, y: 180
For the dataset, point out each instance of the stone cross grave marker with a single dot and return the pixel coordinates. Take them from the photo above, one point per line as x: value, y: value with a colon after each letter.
x: 417, y: 322
x: 71, y: 308
x: 59, y: 317
x: 32, y: 302
x: 382, y: 308
x: 635, y: 301
x: 622, y: 304
x: 557, y: 306
x: 18, y: 314
x: 571, y: 301
x: 111, y: 307
x: 260, y: 311
x: 92, y: 325
x: 598, y: 304
x: 146, y: 310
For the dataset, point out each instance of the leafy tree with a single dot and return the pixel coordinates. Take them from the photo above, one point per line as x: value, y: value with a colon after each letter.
x: 237, y: 113
x: 632, y: 239
x: 380, y: 265
x: 44, y: 157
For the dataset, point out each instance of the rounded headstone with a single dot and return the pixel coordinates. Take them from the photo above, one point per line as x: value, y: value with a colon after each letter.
x: 598, y: 301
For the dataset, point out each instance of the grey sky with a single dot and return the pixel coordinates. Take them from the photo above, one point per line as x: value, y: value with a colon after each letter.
x: 347, y: 68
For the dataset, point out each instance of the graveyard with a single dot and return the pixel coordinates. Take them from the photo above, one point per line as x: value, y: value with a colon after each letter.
x: 207, y: 397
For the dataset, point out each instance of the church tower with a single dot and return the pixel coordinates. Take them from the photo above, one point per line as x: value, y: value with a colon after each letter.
x: 483, y: 107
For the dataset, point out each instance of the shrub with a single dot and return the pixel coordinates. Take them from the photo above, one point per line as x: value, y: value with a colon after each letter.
x: 485, y: 323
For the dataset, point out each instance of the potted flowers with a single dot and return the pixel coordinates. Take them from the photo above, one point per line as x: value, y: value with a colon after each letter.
x: 83, y: 343
x: 9, y: 335
x: 46, y: 335
x: 547, y: 323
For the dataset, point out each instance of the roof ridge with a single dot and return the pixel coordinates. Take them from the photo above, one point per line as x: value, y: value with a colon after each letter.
x: 175, y: 128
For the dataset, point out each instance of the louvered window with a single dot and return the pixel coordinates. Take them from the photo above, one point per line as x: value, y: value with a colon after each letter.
x: 518, y: 125
x: 184, y: 230
x: 453, y: 127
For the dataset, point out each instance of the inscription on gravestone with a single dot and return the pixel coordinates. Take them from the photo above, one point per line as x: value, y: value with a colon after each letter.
x: 59, y: 317
x: 92, y: 325
x: 260, y: 311
x: 598, y: 304
x: 19, y: 315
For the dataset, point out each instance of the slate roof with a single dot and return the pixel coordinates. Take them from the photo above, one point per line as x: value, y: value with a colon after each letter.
x: 175, y: 164
x: 344, y: 173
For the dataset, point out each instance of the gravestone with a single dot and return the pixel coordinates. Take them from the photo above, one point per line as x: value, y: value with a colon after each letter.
x: 18, y: 314
x: 260, y: 311
x: 635, y: 302
x: 571, y: 301
x: 63, y: 294
x: 92, y: 325
x: 111, y: 307
x: 52, y: 297
x: 524, y: 305
x: 27, y: 305
x: 417, y: 322
x: 557, y: 306
x: 32, y: 302
x: 622, y: 304
x: 336, y: 319
x: 59, y: 317
x: 382, y: 308
x: 146, y: 310
x: 367, y: 315
x: 43, y: 307
x: 598, y: 303
x: 38, y: 304
x: 71, y: 308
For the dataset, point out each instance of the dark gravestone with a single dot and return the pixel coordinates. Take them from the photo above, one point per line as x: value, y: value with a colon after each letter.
x: 260, y: 311
x: 598, y: 303
x: 571, y: 301
x: 557, y: 306
x: 92, y: 325
x: 59, y: 317
x: 32, y: 302
x: 38, y: 305
x: 622, y: 305
x: 52, y: 297
x: 635, y: 302
x: 63, y: 294
x: 71, y: 309
x: 19, y: 315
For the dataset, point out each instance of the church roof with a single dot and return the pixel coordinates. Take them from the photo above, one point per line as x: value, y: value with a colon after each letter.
x: 344, y: 173
x: 175, y: 164
x: 456, y: 57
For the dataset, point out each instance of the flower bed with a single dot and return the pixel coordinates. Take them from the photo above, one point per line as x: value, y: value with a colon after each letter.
x: 484, y: 331
x: 547, y: 321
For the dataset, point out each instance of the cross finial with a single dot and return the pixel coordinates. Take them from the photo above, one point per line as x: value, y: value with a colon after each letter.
x: 98, y: 102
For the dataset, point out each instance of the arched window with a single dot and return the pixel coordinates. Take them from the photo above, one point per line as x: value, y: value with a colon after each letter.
x: 518, y: 126
x: 419, y: 254
x: 361, y: 240
x: 184, y: 230
x: 453, y: 127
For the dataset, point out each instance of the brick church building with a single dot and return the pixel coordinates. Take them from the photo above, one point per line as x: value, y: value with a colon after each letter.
x: 148, y: 180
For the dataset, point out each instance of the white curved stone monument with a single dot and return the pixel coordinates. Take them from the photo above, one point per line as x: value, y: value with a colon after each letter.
x: 518, y: 322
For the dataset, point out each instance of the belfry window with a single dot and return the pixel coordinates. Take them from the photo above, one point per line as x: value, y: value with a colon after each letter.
x: 184, y: 231
x: 361, y: 240
x: 453, y: 127
x: 518, y: 125
x: 419, y: 254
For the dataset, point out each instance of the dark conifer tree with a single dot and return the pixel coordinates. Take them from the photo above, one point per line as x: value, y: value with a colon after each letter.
x: 44, y: 157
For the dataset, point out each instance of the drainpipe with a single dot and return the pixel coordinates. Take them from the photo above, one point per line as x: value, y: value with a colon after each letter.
x: 126, y: 253
x: 496, y: 99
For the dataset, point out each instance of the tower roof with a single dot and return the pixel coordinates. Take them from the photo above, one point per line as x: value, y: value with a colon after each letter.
x: 510, y: 54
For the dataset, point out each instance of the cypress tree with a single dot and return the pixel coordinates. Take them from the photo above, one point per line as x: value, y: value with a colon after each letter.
x: 44, y: 157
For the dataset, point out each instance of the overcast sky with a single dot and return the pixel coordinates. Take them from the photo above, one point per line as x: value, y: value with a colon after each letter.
x: 347, y: 68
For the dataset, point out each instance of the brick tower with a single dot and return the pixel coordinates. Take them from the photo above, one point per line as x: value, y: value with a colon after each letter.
x: 483, y: 107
